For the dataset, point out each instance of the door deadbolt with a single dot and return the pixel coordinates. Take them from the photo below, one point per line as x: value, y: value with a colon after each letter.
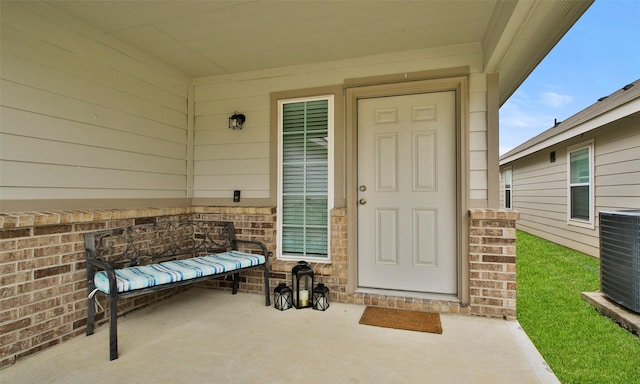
x: 363, y: 188
x: 362, y: 201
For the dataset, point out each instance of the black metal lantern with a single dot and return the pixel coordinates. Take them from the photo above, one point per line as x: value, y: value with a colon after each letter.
x: 236, y: 120
x: 282, y: 299
x: 320, y: 297
x: 302, y: 280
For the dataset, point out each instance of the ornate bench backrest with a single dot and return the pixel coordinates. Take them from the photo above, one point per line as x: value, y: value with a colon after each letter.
x: 151, y: 243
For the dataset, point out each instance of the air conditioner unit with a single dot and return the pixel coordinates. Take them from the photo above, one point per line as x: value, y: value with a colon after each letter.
x: 620, y: 257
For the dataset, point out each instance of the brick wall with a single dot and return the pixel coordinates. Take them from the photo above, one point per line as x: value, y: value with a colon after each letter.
x: 492, y: 258
x: 263, y: 228
x: 42, y: 284
x: 43, y: 289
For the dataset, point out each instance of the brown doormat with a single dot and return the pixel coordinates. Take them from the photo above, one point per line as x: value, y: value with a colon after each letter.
x: 402, y: 319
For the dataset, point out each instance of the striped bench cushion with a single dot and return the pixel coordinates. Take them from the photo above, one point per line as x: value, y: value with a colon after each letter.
x: 132, y: 278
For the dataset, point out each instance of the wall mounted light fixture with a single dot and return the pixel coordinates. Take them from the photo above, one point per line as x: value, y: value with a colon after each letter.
x: 236, y: 120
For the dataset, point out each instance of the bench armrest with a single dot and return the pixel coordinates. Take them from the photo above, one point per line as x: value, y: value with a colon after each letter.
x: 93, y: 265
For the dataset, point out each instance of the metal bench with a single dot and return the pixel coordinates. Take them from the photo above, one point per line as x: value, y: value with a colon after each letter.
x: 138, y: 259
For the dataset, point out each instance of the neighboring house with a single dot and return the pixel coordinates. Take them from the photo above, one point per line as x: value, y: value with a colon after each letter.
x: 370, y: 146
x: 559, y: 180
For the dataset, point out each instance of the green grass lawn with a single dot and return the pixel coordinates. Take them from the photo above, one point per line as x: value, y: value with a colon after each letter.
x: 579, y: 344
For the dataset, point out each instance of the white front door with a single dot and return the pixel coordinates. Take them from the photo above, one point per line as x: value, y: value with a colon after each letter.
x: 407, y: 193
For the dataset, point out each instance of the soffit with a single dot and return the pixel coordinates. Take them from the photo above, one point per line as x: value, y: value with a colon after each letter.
x: 222, y: 37
x: 208, y: 38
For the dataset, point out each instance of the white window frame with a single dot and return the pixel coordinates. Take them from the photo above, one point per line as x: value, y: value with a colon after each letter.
x: 330, y: 175
x: 510, y: 189
x: 575, y: 221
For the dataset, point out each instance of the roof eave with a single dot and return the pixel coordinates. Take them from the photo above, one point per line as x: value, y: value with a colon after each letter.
x: 524, y: 33
x: 620, y: 112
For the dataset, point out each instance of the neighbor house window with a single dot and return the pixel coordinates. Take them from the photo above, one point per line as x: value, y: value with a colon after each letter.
x: 305, y: 174
x: 580, y: 174
x: 508, y: 176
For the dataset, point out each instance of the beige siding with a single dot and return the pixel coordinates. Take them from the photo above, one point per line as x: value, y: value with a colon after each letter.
x: 83, y: 117
x: 501, y: 194
x: 220, y: 152
x: 540, y: 187
x: 478, y: 138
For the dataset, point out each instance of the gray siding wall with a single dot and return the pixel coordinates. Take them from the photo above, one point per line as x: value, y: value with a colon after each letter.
x: 540, y: 187
x: 84, y: 117
x: 617, y: 173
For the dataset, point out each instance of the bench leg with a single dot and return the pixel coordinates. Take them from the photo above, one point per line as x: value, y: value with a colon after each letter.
x: 91, y: 314
x: 113, y: 328
x: 236, y: 283
x: 267, y: 290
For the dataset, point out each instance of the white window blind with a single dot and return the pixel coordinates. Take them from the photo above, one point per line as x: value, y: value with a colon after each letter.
x: 305, y: 178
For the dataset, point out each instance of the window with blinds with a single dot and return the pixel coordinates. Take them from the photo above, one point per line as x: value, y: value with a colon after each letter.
x: 580, y: 184
x: 304, y: 177
x: 508, y: 175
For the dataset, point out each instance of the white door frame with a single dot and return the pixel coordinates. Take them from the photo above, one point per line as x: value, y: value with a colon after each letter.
x: 460, y: 86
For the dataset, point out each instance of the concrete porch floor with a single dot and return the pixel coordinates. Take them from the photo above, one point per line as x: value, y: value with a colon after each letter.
x: 210, y: 336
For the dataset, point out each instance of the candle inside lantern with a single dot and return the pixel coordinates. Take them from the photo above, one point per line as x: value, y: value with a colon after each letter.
x: 304, y: 297
x: 302, y: 281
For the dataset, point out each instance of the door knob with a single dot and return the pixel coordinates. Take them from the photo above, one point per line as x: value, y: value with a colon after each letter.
x: 362, y: 201
x: 363, y: 188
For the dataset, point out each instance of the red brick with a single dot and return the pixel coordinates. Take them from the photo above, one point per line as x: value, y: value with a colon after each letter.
x: 506, y: 294
x: 499, y: 259
x: 486, y: 301
x: 499, y: 276
x: 20, y: 254
x: 51, y: 229
x: 8, y: 268
x: 488, y: 267
x: 12, y: 349
x: 7, y: 245
x: 53, y: 250
x: 75, y: 237
x: 14, y: 301
x: 485, y: 249
x: 496, y: 232
x: 8, y: 338
x: 30, y: 309
x: 7, y: 291
x: 93, y: 226
x: 16, y: 325
x: 498, y: 241
x: 8, y: 314
x: 15, y: 233
x: 488, y: 284
x: 51, y: 313
x: 52, y: 271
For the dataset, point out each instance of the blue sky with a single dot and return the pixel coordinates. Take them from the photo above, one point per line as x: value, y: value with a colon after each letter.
x: 599, y: 55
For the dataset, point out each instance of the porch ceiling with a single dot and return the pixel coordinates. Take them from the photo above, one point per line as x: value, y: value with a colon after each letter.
x: 206, y: 38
